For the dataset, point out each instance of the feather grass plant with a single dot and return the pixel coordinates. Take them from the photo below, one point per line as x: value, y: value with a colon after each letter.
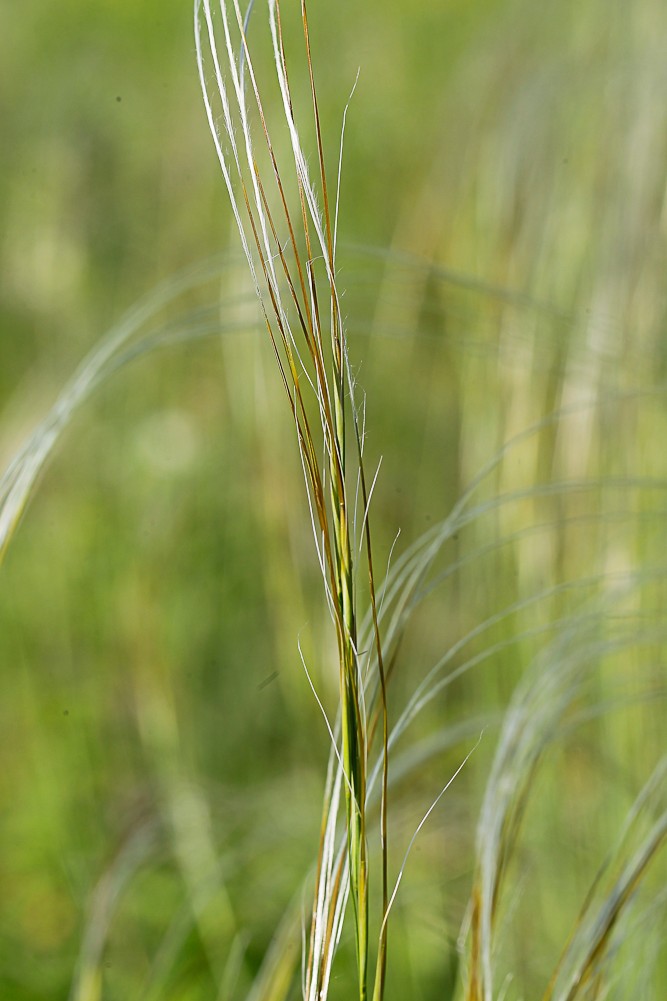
x: 305, y: 326
x: 561, y: 635
x: 312, y: 350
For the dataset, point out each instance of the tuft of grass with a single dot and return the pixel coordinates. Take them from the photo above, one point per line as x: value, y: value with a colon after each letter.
x: 311, y: 350
x: 291, y: 254
x: 537, y: 601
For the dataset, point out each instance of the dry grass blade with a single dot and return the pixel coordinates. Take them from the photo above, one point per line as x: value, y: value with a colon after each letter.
x: 599, y: 927
x: 140, y: 331
x: 533, y: 721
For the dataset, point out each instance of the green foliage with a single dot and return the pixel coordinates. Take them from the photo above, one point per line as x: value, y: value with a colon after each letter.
x: 162, y: 757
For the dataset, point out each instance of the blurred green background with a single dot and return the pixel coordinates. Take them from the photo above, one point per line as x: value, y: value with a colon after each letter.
x: 161, y: 755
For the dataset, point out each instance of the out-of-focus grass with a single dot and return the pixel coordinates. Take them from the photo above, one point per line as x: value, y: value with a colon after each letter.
x: 161, y: 757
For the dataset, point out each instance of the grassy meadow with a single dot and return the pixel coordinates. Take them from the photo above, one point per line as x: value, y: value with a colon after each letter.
x: 168, y: 661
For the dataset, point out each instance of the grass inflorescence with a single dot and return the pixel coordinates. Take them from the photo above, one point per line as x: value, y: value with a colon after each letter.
x: 303, y: 319
x: 494, y: 733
